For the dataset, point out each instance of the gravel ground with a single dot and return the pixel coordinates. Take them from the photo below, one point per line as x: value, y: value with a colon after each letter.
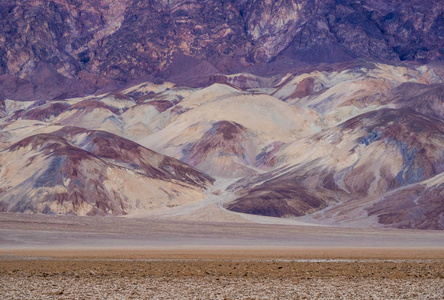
x: 220, y: 279
x: 60, y: 287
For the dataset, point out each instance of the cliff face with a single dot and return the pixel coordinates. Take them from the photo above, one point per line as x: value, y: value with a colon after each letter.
x: 60, y: 48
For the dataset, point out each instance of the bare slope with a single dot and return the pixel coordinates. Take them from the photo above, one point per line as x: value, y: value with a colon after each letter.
x: 76, y: 171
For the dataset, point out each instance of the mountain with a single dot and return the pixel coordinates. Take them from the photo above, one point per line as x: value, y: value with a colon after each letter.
x: 83, y: 172
x: 224, y: 132
x: 59, y: 49
x: 366, y: 157
x: 324, y: 111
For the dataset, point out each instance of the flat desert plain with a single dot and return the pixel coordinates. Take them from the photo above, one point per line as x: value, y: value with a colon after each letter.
x: 65, y: 257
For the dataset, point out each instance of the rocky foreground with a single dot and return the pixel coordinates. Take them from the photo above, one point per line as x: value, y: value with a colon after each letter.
x: 74, y: 278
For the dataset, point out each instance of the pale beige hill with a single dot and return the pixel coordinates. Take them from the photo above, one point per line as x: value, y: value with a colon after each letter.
x: 76, y: 171
x: 227, y: 150
x: 338, y: 95
x: 137, y: 120
x: 270, y: 118
x: 186, y: 102
x: 265, y: 120
x: 209, y: 94
x: 12, y: 132
x: 92, y: 114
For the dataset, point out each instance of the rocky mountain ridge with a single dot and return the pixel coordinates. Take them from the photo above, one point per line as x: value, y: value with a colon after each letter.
x: 64, y: 48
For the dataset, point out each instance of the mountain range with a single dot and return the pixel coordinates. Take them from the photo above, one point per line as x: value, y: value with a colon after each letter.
x: 328, y: 112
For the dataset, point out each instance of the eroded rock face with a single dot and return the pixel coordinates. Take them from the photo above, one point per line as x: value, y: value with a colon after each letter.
x: 56, y: 49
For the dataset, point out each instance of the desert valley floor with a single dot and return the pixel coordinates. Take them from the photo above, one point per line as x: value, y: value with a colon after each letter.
x: 166, y: 257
